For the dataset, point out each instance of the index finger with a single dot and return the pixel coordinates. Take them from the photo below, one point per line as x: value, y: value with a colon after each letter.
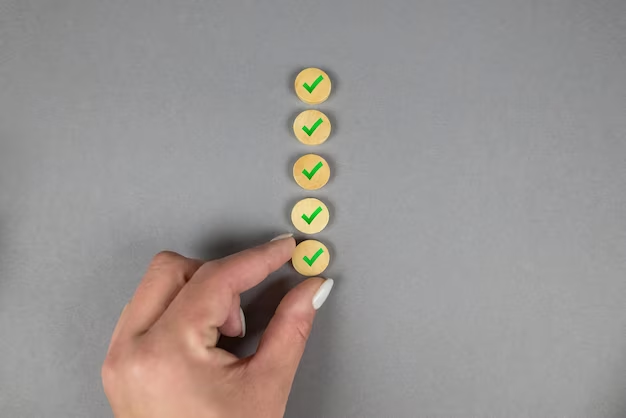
x: 203, y: 305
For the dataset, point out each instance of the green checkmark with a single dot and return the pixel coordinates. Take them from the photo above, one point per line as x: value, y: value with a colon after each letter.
x: 311, y: 260
x: 312, y: 86
x: 309, y: 131
x: 309, y: 219
x: 310, y: 174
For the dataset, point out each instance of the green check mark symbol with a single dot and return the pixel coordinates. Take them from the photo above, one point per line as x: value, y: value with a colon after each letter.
x: 309, y: 219
x: 312, y: 86
x: 310, y: 174
x: 311, y: 260
x: 309, y: 131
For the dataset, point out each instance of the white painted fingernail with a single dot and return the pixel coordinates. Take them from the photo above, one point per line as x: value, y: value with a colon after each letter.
x: 243, y: 323
x: 322, y: 293
x: 282, y: 236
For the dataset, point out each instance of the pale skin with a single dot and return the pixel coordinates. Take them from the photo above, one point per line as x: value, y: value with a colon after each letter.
x: 163, y: 361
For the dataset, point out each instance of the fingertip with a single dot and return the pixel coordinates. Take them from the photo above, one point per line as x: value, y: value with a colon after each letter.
x: 284, y: 240
x: 282, y: 237
x: 299, y: 300
x: 322, y: 293
x: 282, y: 246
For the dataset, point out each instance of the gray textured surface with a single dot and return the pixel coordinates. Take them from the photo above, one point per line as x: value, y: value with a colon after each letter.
x: 479, y: 197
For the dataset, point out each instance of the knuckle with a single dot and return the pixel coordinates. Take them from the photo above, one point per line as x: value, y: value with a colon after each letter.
x: 146, y: 365
x: 164, y: 259
x: 294, y: 329
x: 107, y: 371
x: 143, y: 364
x: 302, y: 330
x: 138, y: 365
x: 167, y: 264
x: 110, y: 368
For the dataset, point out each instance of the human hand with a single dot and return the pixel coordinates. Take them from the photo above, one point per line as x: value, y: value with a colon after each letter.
x: 163, y: 361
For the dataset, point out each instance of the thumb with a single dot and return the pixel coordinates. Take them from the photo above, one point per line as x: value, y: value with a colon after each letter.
x: 283, y: 343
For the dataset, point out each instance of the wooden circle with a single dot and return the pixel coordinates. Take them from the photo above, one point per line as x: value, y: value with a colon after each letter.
x: 311, y: 172
x: 310, y: 258
x: 311, y: 127
x: 313, y: 86
x: 310, y: 216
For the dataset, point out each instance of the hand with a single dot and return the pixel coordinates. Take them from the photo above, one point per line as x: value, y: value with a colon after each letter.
x: 163, y: 362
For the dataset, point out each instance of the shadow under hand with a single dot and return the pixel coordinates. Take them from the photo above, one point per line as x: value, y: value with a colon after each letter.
x: 259, y: 305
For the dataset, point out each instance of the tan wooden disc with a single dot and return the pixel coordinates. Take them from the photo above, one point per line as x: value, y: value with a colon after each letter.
x: 311, y: 172
x: 310, y: 258
x: 310, y: 216
x: 313, y: 86
x: 312, y: 127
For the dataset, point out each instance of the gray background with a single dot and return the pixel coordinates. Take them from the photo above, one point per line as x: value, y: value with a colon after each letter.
x: 479, y: 192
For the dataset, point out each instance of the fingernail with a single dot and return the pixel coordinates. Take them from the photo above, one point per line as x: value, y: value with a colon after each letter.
x: 322, y: 293
x: 282, y: 236
x: 243, y: 323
